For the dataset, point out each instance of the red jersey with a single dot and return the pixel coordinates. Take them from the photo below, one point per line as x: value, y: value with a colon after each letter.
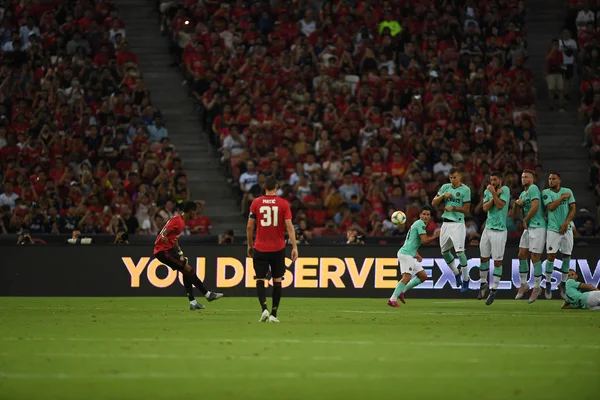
x: 175, y: 226
x: 270, y: 213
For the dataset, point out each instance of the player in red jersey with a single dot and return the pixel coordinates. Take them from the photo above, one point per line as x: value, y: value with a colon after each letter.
x: 270, y: 213
x: 167, y: 251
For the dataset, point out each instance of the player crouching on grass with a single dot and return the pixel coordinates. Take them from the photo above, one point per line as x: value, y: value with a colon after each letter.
x: 167, y: 251
x: 581, y: 295
x: 270, y: 213
x: 410, y: 259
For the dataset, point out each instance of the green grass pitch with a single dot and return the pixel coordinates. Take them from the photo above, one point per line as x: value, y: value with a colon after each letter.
x: 155, y: 348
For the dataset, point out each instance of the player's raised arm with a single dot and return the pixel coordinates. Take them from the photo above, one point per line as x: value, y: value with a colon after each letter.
x: 535, y: 206
x: 553, y: 205
x: 586, y: 287
x: 440, y: 196
x: 428, y: 239
x: 464, y: 209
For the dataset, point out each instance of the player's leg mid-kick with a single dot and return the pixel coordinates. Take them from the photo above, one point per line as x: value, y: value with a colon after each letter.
x: 409, y: 258
x: 167, y: 251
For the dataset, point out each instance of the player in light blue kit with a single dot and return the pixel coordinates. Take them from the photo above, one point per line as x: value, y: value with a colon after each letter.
x: 561, y: 206
x: 581, y: 295
x: 409, y: 258
x: 457, y: 198
x: 533, y: 238
x: 496, y: 201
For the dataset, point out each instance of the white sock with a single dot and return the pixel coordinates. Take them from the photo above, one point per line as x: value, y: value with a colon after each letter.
x: 523, y: 278
x: 193, y: 302
x: 537, y: 280
x: 452, y: 266
x: 564, y: 277
x: 483, y: 275
x: 207, y: 295
x: 496, y: 282
x: 549, y: 279
x: 394, y: 298
x: 465, y: 273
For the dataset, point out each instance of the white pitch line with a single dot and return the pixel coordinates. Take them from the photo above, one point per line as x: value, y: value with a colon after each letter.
x: 170, y: 356
x: 404, y: 311
x: 282, y: 375
x: 432, y: 343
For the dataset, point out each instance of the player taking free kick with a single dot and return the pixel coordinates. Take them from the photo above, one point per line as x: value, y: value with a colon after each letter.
x: 167, y: 251
x: 560, y: 203
x: 457, y: 198
x: 496, y: 199
x: 533, y: 237
x: 409, y: 258
x: 270, y: 213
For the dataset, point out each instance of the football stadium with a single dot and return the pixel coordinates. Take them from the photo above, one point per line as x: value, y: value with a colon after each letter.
x: 300, y: 199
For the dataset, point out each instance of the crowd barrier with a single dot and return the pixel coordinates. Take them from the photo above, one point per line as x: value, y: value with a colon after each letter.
x: 321, y: 271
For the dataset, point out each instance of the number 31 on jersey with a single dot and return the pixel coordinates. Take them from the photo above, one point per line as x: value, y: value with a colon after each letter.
x: 269, y: 215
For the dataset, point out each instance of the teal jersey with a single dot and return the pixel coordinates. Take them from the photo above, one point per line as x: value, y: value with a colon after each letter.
x: 496, y: 218
x: 460, y: 196
x: 413, y: 239
x: 528, y: 196
x: 575, y: 297
x: 557, y: 217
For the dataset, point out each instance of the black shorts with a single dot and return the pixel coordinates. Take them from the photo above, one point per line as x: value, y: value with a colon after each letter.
x: 273, y: 260
x: 568, y: 71
x: 171, y: 258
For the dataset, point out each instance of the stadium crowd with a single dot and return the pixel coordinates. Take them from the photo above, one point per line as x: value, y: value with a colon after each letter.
x: 580, y: 47
x: 361, y: 107
x: 81, y: 145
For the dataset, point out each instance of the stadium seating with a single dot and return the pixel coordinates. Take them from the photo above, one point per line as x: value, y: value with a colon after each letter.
x: 359, y: 109
x: 583, y: 26
x: 81, y: 146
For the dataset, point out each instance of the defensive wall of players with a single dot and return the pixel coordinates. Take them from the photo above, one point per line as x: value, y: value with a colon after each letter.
x: 326, y: 271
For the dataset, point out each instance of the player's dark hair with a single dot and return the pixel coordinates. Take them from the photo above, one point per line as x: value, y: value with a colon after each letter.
x: 528, y: 171
x: 455, y: 171
x: 270, y: 183
x: 497, y: 174
x: 426, y: 208
x: 189, y: 206
x: 555, y: 173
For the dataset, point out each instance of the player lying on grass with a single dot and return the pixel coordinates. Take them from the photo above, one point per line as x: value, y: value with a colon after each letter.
x: 581, y: 295
x: 409, y: 258
x: 167, y: 251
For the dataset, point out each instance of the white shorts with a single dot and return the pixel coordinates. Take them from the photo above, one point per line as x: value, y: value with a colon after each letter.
x: 453, y: 234
x: 408, y: 264
x: 493, y: 244
x: 593, y: 301
x: 533, y: 239
x: 556, y: 242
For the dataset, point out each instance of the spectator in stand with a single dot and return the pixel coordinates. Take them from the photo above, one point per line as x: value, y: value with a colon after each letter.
x: 8, y: 198
x: 75, y: 115
x: 568, y: 47
x: 361, y: 97
x: 554, y: 77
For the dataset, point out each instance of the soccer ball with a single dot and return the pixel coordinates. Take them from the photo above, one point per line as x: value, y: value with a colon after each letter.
x: 398, y: 218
